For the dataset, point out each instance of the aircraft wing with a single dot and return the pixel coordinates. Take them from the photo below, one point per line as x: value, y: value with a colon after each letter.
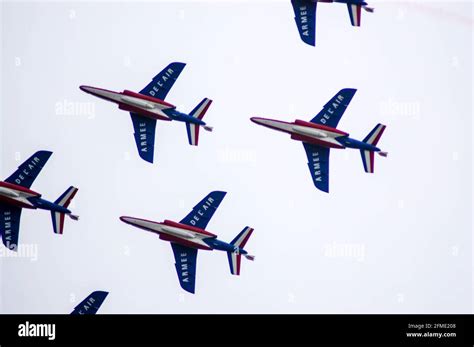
x: 335, y: 108
x: 91, y: 304
x: 144, y: 134
x: 354, y: 14
x: 305, y: 18
x: 10, y: 225
x: 27, y: 172
x: 318, y: 164
x: 202, y: 213
x: 186, y: 258
x: 162, y: 83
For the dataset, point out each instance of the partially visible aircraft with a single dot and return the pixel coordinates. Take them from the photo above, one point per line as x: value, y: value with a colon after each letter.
x: 91, y: 304
x: 15, y: 194
x: 148, y: 106
x: 305, y: 16
x: 320, y: 135
x: 189, y: 235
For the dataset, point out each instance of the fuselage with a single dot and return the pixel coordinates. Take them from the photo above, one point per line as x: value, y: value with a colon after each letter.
x: 19, y: 196
x: 144, y: 105
x: 315, y: 134
x: 183, y: 234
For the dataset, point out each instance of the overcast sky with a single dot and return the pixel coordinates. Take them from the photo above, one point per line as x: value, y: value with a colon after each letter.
x: 397, y: 241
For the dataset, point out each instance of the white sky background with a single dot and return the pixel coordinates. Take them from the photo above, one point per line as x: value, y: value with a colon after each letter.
x: 398, y: 241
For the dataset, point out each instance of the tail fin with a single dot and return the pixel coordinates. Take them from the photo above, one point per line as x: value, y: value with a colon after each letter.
x: 239, y: 243
x: 192, y: 128
x: 372, y: 139
x: 58, y: 218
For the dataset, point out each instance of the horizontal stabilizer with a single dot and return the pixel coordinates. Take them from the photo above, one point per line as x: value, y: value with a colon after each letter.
x: 368, y: 9
x: 234, y: 263
x: 193, y: 133
x: 368, y: 160
x: 250, y: 257
x: 354, y: 14
x: 58, y: 222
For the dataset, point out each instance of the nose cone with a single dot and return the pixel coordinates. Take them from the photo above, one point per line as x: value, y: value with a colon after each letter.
x: 90, y: 90
x: 86, y: 89
x: 256, y: 120
x: 126, y: 219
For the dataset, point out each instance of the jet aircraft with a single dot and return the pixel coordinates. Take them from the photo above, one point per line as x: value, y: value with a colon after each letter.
x: 320, y: 135
x: 148, y: 106
x: 189, y: 235
x: 305, y: 16
x: 15, y: 194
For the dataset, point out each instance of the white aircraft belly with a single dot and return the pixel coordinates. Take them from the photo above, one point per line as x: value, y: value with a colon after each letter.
x: 184, y: 234
x: 146, y: 105
x: 317, y: 134
x: 104, y: 93
x: 9, y: 192
x: 16, y: 195
x: 275, y: 124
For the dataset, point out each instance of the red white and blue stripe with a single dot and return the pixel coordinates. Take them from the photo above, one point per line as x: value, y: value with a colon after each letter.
x: 64, y: 200
x: 375, y: 135
x: 239, y: 243
x: 354, y: 14
x: 368, y: 161
x: 372, y: 139
x: 193, y: 128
